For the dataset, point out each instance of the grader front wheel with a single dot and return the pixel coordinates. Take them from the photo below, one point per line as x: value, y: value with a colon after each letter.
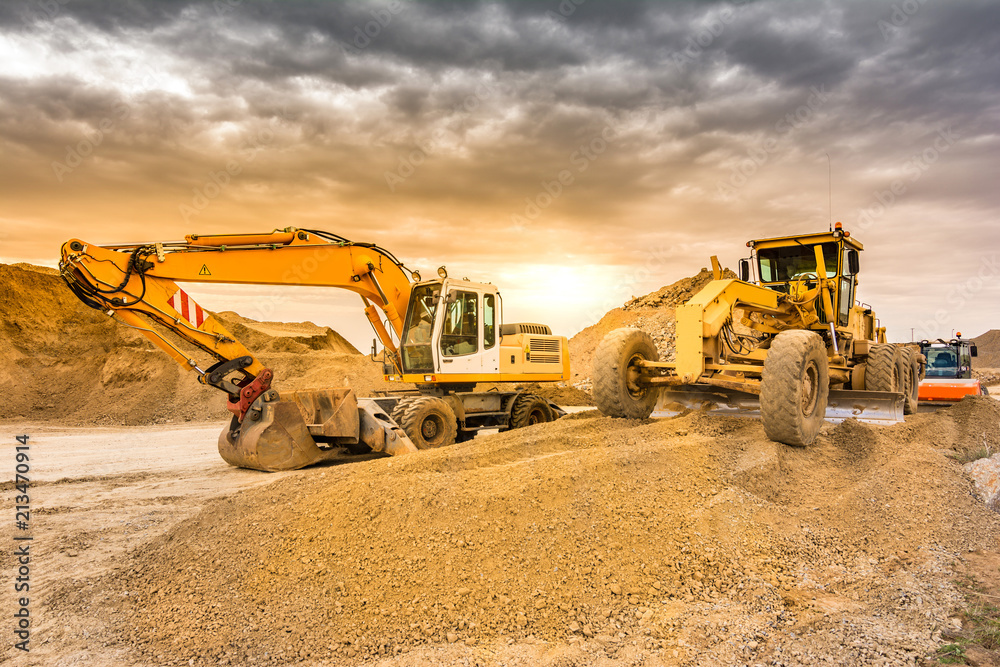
x: 794, y: 388
x: 617, y: 391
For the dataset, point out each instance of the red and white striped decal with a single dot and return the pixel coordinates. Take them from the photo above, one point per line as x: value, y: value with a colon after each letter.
x: 187, y: 307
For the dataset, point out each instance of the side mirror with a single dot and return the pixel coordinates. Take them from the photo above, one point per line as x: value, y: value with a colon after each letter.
x: 973, y: 350
x: 745, y: 270
x: 452, y: 297
x: 853, y: 262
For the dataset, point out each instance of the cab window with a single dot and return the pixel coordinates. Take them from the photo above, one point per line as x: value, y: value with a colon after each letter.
x: 793, y: 262
x: 461, y: 325
x: 416, y: 343
x: 489, y: 321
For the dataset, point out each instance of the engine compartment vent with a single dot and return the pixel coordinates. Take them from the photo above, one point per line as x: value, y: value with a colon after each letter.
x: 515, y: 329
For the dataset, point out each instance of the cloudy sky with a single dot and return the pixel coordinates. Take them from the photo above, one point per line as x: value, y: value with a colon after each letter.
x: 574, y: 152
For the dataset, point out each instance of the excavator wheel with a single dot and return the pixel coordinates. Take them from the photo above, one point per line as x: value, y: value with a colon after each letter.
x: 616, y: 390
x: 794, y: 388
x: 528, y: 410
x: 428, y: 421
x: 885, y: 368
x: 911, y: 368
x: 400, y: 409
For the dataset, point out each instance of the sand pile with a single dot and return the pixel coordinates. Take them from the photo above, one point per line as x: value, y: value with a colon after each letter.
x: 686, y: 540
x: 71, y: 364
x: 653, y: 313
x: 988, y: 346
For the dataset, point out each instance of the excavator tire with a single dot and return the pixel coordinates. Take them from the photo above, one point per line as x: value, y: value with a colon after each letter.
x: 794, y: 388
x: 400, y: 409
x: 884, y: 369
x: 528, y: 410
x: 616, y: 392
x: 428, y: 421
x: 911, y: 368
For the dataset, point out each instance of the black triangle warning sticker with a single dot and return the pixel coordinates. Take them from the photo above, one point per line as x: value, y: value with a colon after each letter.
x: 204, y: 270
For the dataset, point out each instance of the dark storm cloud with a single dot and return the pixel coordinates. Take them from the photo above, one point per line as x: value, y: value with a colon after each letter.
x: 478, y: 107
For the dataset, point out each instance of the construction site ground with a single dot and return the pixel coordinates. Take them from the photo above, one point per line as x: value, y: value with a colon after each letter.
x: 589, y: 541
x: 691, y: 540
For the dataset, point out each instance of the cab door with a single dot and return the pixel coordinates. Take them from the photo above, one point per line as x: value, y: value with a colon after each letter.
x: 468, y: 331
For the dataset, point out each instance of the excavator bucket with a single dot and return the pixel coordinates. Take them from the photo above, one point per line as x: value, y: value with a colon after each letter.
x: 297, y: 429
x: 874, y: 407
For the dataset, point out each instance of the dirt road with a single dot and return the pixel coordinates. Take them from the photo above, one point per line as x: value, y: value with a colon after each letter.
x: 97, y: 493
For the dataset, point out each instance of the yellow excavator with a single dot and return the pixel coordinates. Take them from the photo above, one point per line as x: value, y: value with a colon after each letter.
x: 443, y: 335
x: 794, y: 346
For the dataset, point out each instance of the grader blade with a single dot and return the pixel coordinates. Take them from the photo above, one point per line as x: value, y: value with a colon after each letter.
x: 672, y: 401
x: 873, y: 407
x: 302, y: 428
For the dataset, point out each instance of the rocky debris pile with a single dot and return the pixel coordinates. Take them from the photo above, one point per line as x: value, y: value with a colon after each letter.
x: 988, y: 377
x: 71, y: 364
x: 653, y: 313
x: 673, y: 295
x: 677, y: 541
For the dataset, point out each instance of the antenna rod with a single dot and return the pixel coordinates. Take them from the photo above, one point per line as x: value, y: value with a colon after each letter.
x: 829, y: 163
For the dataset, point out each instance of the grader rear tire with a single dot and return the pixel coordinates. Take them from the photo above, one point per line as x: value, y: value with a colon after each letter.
x: 911, y: 368
x: 429, y: 422
x: 616, y: 392
x: 884, y: 369
x: 794, y: 388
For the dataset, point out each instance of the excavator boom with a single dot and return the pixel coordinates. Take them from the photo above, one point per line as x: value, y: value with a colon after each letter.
x: 137, y: 284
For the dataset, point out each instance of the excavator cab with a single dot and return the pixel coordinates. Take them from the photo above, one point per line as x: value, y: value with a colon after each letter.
x: 451, y: 330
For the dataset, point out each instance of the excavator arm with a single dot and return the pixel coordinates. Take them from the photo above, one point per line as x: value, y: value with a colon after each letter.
x: 137, y: 284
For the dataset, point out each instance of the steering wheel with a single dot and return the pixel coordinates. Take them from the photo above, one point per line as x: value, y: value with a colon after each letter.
x: 799, y: 284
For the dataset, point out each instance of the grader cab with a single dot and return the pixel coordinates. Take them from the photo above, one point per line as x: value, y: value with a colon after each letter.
x: 794, y: 345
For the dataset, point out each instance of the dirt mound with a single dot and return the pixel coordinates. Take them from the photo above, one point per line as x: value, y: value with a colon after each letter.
x: 653, y: 313
x: 558, y: 392
x: 693, y: 539
x: 988, y: 346
x: 311, y: 335
x: 71, y: 364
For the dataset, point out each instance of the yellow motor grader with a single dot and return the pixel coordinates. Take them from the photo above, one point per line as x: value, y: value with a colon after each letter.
x: 794, y: 344
x: 444, y: 335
